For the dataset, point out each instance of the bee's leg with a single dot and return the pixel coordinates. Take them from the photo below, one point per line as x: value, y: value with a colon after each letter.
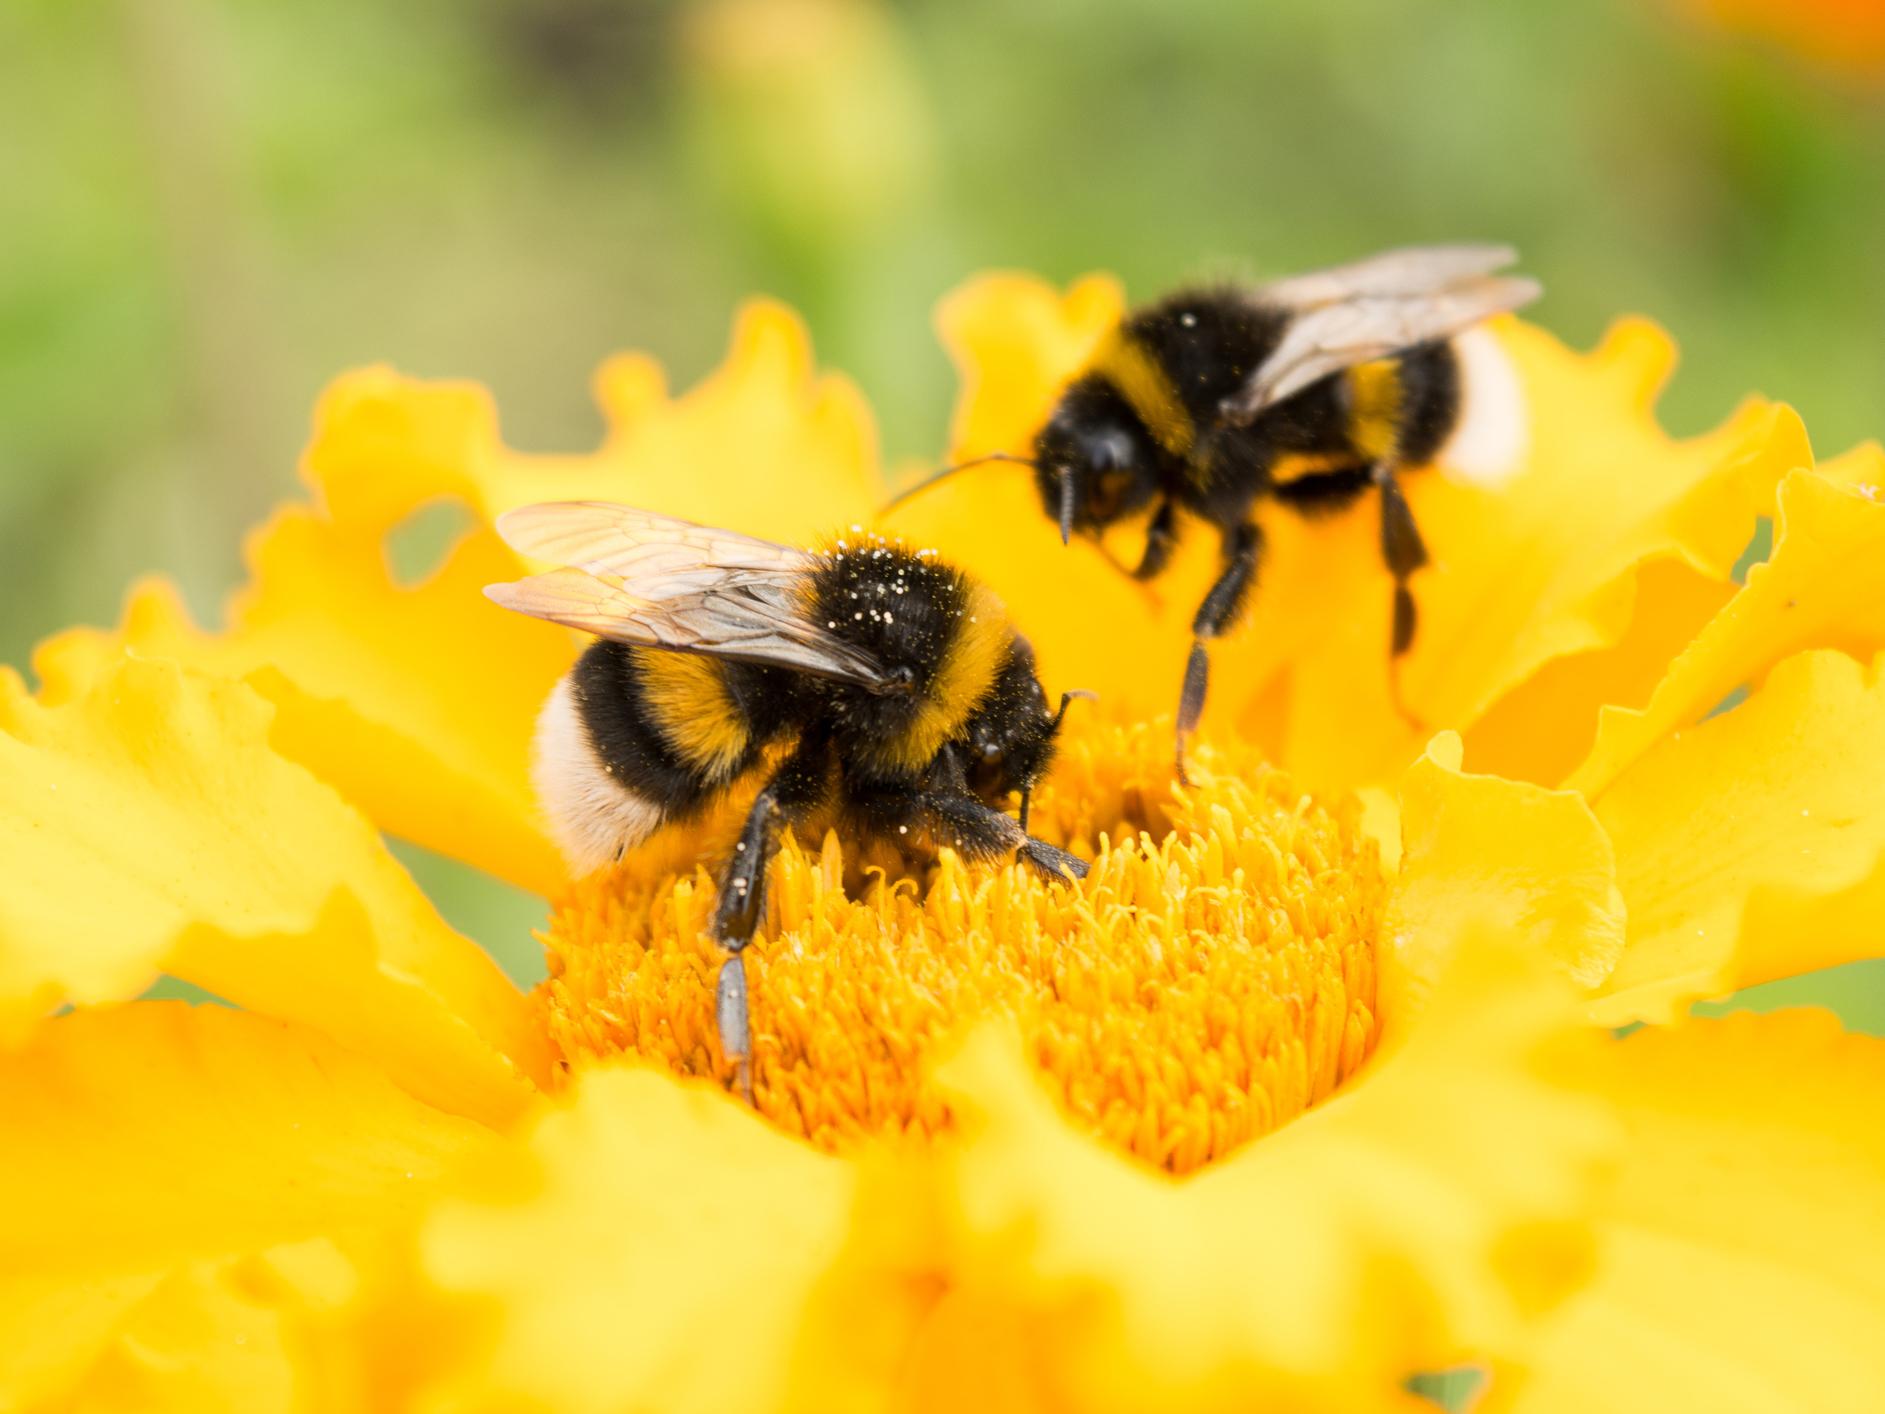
x: 1405, y: 552
x: 959, y: 821
x: 1243, y: 550
x: 795, y: 787
x: 1161, y: 538
x: 978, y: 831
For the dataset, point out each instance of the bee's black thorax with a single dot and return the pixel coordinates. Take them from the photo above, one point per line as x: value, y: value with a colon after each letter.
x: 904, y: 609
x: 924, y: 621
x: 1145, y: 419
x: 1206, y: 342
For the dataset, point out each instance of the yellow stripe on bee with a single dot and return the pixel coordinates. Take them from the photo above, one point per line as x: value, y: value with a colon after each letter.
x: 696, y: 715
x: 962, y: 680
x: 1132, y: 369
x: 1374, y: 401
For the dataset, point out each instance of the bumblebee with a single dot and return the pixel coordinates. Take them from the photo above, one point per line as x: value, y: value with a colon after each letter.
x: 1310, y: 391
x: 861, y: 676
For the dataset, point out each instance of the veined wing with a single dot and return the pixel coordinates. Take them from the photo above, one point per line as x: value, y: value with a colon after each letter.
x: 665, y: 583
x: 1373, y: 308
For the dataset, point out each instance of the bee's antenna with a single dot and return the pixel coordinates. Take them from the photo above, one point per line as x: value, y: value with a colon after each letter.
x: 944, y: 473
x: 1066, y: 505
x: 1082, y: 693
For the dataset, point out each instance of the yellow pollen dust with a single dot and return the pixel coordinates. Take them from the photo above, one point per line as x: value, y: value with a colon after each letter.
x: 1212, y: 977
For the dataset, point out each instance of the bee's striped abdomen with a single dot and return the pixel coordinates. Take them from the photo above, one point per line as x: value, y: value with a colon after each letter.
x: 593, y: 816
x: 691, y: 702
x: 635, y: 737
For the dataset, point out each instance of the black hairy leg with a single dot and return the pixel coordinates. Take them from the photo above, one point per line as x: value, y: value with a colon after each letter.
x: 980, y: 831
x: 1404, y: 551
x: 1243, y: 552
x: 795, y: 788
x: 957, y: 819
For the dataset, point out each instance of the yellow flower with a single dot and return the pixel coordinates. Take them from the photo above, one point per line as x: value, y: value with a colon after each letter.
x: 1300, y: 1093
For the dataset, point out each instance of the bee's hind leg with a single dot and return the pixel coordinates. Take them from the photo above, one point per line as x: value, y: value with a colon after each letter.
x: 1243, y: 552
x: 1404, y: 551
x: 797, y: 786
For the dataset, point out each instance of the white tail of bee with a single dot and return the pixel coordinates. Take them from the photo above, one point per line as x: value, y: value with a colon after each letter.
x: 1493, y: 434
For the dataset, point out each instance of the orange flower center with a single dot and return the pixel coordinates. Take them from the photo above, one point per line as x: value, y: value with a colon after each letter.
x: 1212, y: 978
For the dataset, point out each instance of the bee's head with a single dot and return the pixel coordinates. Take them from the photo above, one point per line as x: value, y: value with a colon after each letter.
x: 1011, y: 739
x: 1095, y: 463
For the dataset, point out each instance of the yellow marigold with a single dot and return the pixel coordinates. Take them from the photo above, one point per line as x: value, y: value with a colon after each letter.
x: 1309, y: 1086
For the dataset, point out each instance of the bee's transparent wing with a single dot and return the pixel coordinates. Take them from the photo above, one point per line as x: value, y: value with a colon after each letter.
x: 1408, y: 270
x: 1373, y: 308
x: 659, y: 582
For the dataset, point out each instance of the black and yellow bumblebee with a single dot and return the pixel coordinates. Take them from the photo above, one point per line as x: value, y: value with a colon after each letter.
x: 1308, y: 391
x: 863, y: 676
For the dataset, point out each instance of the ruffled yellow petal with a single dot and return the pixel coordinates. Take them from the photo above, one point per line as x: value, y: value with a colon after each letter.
x: 211, y: 1336
x: 55, y: 1325
x: 1530, y: 862
x: 150, y: 828
x: 1862, y: 466
x: 1752, y: 846
x: 1541, y: 730
x: 1427, y: 1208
x: 1743, y: 1251
x: 652, y: 1245
x: 147, y: 1144
x: 418, y: 701
x: 765, y: 444
x: 1748, y: 845
x: 1823, y: 587
x: 1016, y: 342
x: 1550, y: 567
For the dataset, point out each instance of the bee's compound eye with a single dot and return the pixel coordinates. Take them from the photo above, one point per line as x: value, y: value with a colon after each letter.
x: 991, y: 751
x: 1110, y: 450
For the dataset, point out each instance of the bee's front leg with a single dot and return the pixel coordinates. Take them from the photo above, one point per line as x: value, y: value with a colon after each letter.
x: 979, y: 831
x: 955, y: 819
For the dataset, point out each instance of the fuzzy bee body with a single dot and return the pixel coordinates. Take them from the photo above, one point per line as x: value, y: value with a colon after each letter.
x: 864, y: 677
x: 1164, y: 375
x: 1309, y: 392
x: 626, y: 745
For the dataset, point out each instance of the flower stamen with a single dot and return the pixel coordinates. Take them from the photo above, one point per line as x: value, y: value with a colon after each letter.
x: 1212, y: 978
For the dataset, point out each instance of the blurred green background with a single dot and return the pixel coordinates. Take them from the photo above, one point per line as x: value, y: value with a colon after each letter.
x: 210, y: 207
